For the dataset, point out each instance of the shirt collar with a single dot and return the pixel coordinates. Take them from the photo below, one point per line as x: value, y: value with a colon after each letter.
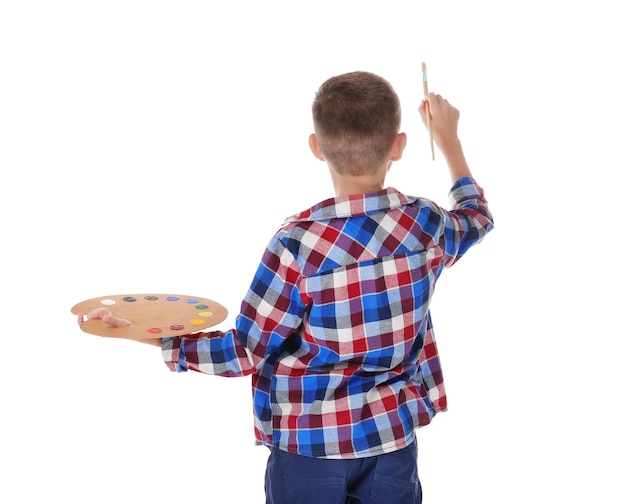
x: 353, y: 205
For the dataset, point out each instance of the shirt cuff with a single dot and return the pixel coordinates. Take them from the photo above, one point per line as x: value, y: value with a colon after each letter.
x: 173, y: 354
x: 464, y: 188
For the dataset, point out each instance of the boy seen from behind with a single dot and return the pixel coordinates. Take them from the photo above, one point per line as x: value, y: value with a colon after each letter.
x: 335, y: 328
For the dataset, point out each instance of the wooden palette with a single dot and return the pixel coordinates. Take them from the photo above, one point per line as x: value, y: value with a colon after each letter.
x: 152, y: 315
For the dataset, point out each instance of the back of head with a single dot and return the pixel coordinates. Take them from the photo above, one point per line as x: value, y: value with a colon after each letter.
x: 356, y: 118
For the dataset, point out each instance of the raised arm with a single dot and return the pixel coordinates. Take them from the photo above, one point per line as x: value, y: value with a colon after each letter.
x: 445, y: 119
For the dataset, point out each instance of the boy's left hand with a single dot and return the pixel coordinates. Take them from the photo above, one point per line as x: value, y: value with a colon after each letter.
x: 106, y: 316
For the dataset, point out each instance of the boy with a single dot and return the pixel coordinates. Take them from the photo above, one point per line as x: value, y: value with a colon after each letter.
x: 335, y: 328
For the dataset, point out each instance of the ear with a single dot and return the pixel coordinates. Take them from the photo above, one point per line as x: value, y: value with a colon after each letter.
x: 398, y: 146
x: 315, y: 147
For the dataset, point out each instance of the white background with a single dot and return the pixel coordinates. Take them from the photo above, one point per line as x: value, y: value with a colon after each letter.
x: 155, y: 146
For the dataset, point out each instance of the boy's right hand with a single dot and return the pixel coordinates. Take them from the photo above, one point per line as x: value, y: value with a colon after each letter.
x: 445, y: 119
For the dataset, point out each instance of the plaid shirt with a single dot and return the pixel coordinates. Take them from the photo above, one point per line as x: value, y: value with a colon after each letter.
x: 335, y: 328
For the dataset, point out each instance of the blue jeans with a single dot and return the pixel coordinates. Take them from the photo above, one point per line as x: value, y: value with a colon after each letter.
x: 388, y: 479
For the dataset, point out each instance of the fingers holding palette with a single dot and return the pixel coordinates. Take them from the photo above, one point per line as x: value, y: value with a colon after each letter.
x: 152, y: 315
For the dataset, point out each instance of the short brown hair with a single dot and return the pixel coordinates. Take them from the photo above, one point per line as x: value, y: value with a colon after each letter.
x: 356, y: 117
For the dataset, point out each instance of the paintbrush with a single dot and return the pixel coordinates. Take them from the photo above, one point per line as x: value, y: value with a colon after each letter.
x: 429, y: 121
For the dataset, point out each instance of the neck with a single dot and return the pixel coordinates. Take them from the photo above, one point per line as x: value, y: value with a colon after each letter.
x: 346, y: 185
